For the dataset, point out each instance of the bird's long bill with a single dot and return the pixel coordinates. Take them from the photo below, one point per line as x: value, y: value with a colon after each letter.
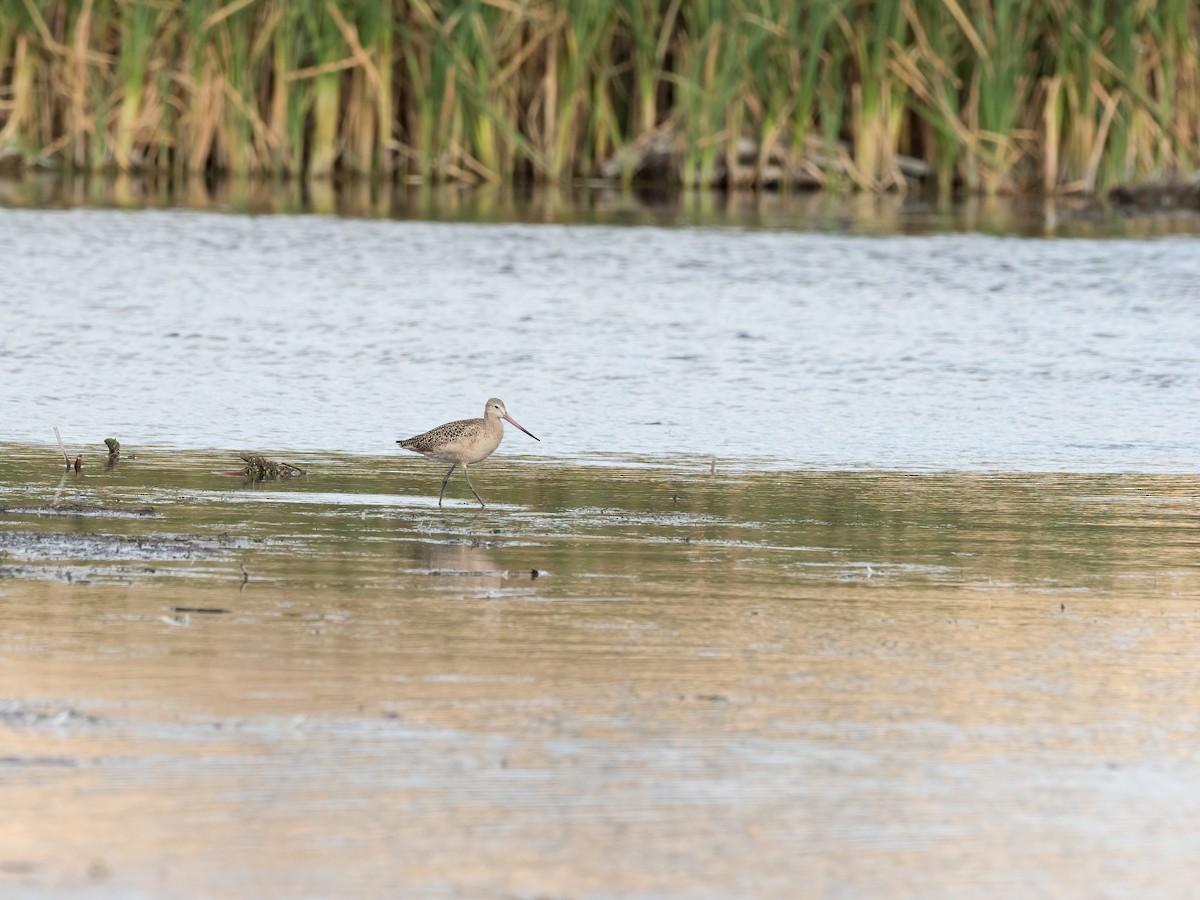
x: 511, y: 421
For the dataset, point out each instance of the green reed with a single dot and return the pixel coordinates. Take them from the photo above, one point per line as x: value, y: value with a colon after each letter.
x: 994, y: 95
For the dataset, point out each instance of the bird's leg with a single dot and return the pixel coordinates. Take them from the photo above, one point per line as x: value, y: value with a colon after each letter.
x: 444, y: 480
x: 472, y: 487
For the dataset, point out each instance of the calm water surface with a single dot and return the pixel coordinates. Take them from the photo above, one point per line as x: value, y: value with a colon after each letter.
x: 772, y: 685
x: 957, y: 351
x: 879, y: 652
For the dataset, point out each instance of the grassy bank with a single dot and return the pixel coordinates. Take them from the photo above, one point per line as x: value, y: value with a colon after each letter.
x: 992, y: 95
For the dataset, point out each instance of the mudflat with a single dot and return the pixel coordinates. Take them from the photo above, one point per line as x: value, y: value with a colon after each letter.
x: 633, y: 678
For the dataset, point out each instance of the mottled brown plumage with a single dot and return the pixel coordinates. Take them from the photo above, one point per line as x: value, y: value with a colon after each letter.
x: 464, y: 442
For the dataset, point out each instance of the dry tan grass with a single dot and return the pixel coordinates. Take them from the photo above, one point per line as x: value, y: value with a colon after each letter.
x: 995, y: 95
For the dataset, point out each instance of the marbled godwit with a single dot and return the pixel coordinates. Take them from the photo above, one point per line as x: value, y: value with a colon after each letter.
x: 465, y: 441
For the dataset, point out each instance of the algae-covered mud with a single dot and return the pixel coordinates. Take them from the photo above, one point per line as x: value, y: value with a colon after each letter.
x: 634, y: 679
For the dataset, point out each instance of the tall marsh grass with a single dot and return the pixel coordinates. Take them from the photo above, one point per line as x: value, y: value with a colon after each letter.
x: 992, y: 95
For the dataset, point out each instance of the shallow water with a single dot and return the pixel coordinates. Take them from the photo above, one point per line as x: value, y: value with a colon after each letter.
x: 936, y: 352
x: 879, y: 651
x: 779, y: 684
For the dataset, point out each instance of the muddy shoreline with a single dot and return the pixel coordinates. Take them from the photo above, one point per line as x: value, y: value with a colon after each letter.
x: 719, y: 683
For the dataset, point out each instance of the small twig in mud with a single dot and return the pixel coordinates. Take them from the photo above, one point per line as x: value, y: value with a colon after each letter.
x: 245, y: 574
x: 259, y: 468
x: 712, y: 467
x: 78, y: 461
x: 58, y: 437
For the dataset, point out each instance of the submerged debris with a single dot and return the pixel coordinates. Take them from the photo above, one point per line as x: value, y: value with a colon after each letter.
x: 259, y: 468
x: 202, y: 610
x: 1163, y: 195
x: 114, y: 452
x: 661, y: 156
x: 58, y: 547
x: 82, y: 509
x: 26, y: 714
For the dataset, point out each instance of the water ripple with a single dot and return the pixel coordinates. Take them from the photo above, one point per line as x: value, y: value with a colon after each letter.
x: 958, y: 351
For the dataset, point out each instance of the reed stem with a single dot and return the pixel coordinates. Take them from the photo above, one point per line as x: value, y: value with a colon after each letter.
x: 994, y: 95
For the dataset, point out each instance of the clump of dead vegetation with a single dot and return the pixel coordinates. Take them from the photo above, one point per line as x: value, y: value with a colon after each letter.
x: 259, y: 468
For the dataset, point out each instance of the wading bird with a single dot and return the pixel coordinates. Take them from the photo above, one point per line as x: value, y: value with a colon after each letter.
x: 464, y: 442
